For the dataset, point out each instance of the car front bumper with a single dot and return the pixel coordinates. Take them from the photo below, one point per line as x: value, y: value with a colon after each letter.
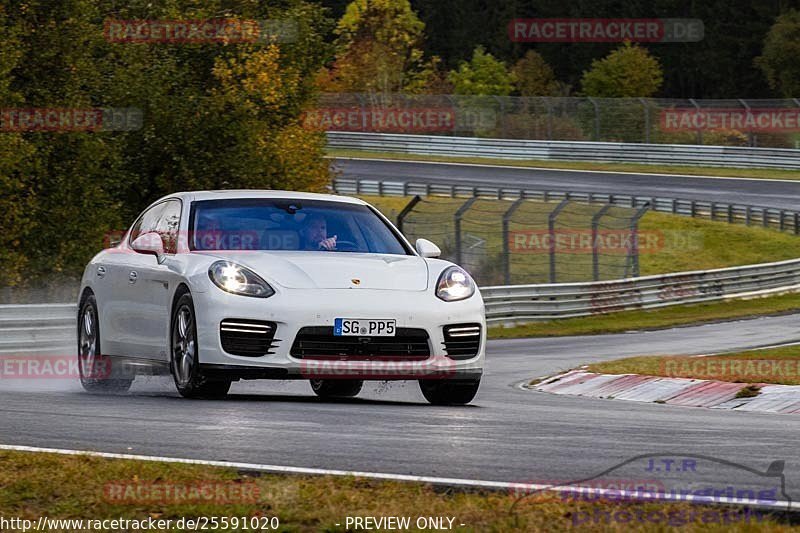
x: 294, y: 309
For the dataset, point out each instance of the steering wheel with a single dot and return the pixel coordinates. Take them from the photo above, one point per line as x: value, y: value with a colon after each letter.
x: 346, y: 246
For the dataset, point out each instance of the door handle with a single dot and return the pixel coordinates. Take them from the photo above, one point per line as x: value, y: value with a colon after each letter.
x: 101, y: 272
x: 133, y: 276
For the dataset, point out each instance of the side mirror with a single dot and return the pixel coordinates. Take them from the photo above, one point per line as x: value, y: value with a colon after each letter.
x: 426, y: 248
x: 149, y: 243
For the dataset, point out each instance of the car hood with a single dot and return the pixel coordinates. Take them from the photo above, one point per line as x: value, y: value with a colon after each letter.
x: 334, y: 270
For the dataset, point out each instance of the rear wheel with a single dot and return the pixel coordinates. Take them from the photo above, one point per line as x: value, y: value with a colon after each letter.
x: 185, y: 361
x: 96, y: 371
x: 336, y: 388
x: 449, y: 392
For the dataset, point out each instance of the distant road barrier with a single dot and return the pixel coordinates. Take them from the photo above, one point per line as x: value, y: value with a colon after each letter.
x: 750, y: 215
x: 521, y: 303
x: 611, y: 152
x: 37, y: 328
x: 42, y: 328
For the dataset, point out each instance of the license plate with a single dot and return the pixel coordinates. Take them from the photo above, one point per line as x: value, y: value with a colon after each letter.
x: 357, y: 327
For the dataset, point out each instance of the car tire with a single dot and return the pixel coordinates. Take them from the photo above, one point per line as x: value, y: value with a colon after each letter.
x: 96, y: 372
x: 449, y: 392
x: 336, y: 388
x: 185, y: 357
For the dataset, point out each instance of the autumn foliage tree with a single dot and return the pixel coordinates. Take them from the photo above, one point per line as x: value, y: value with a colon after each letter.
x: 379, y: 47
x: 482, y: 75
x: 534, y: 77
x: 779, y: 60
x: 628, y: 71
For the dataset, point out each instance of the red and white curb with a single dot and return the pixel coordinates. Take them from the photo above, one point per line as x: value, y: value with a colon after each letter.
x: 673, y: 391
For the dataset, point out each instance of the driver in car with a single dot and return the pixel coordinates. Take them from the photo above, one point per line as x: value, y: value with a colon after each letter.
x: 314, y: 234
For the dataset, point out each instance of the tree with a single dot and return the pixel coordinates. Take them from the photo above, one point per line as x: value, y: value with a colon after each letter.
x: 16, y: 194
x: 628, y: 71
x: 719, y: 66
x: 379, y: 48
x: 534, y: 77
x: 482, y: 75
x: 216, y: 115
x: 779, y: 61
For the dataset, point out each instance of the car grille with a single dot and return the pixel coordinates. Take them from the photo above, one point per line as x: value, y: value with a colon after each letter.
x: 462, y: 341
x: 319, y: 342
x: 248, y: 338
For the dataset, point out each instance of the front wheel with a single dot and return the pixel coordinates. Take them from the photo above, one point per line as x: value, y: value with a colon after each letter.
x: 336, y: 388
x: 185, y: 361
x: 96, y: 371
x: 449, y: 392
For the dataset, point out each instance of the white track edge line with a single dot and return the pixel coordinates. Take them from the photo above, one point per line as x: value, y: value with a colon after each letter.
x: 515, y: 167
x: 516, y: 488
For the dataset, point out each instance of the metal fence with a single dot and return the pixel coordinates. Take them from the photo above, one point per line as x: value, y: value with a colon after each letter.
x: 662, y: 154
x: 732, y: 122
x: 523, y: 241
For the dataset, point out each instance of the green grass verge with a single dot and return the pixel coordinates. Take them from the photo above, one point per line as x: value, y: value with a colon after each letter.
x: 770, y: 365
x: 574, y: 165
x: 76, y: 487
x: 679, y: 315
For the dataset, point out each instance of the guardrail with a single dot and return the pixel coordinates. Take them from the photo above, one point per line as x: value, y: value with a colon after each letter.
x: 523, y: 303
x: 37, y: 328
x: 41, y: 328
x: 662, y: 154
x: 750, y: 215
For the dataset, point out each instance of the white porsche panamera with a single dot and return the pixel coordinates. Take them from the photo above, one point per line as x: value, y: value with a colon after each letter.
x: 218, y: 286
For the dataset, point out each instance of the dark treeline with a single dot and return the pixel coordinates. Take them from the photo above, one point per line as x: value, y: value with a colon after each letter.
x: 720, y: 66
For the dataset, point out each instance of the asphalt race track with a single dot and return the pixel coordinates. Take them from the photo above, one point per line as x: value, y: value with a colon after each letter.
x: 507, y: 434
x: 759, y: 192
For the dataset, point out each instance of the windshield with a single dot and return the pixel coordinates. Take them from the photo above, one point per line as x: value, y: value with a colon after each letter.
x: 291, y: 225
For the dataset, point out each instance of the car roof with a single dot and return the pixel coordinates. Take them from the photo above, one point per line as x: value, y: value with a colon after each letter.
x: 260, y: 193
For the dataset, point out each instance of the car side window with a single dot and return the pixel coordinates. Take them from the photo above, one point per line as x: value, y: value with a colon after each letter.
x: 168, y: 224
x: 147, y: 222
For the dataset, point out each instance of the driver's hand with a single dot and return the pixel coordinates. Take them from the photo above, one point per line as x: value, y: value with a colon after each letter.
x: 329, y: 243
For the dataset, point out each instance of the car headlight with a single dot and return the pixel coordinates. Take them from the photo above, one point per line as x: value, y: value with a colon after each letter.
x: 454, y: 284
x: 237, y: 279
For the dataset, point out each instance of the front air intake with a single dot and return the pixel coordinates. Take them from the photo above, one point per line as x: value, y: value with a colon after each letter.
x: 247, y: 338
x: 462, y: 341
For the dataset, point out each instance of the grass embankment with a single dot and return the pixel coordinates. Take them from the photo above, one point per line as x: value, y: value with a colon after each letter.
x: 757, y: 173
x: 77, y: 487
x: 772, y: 365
